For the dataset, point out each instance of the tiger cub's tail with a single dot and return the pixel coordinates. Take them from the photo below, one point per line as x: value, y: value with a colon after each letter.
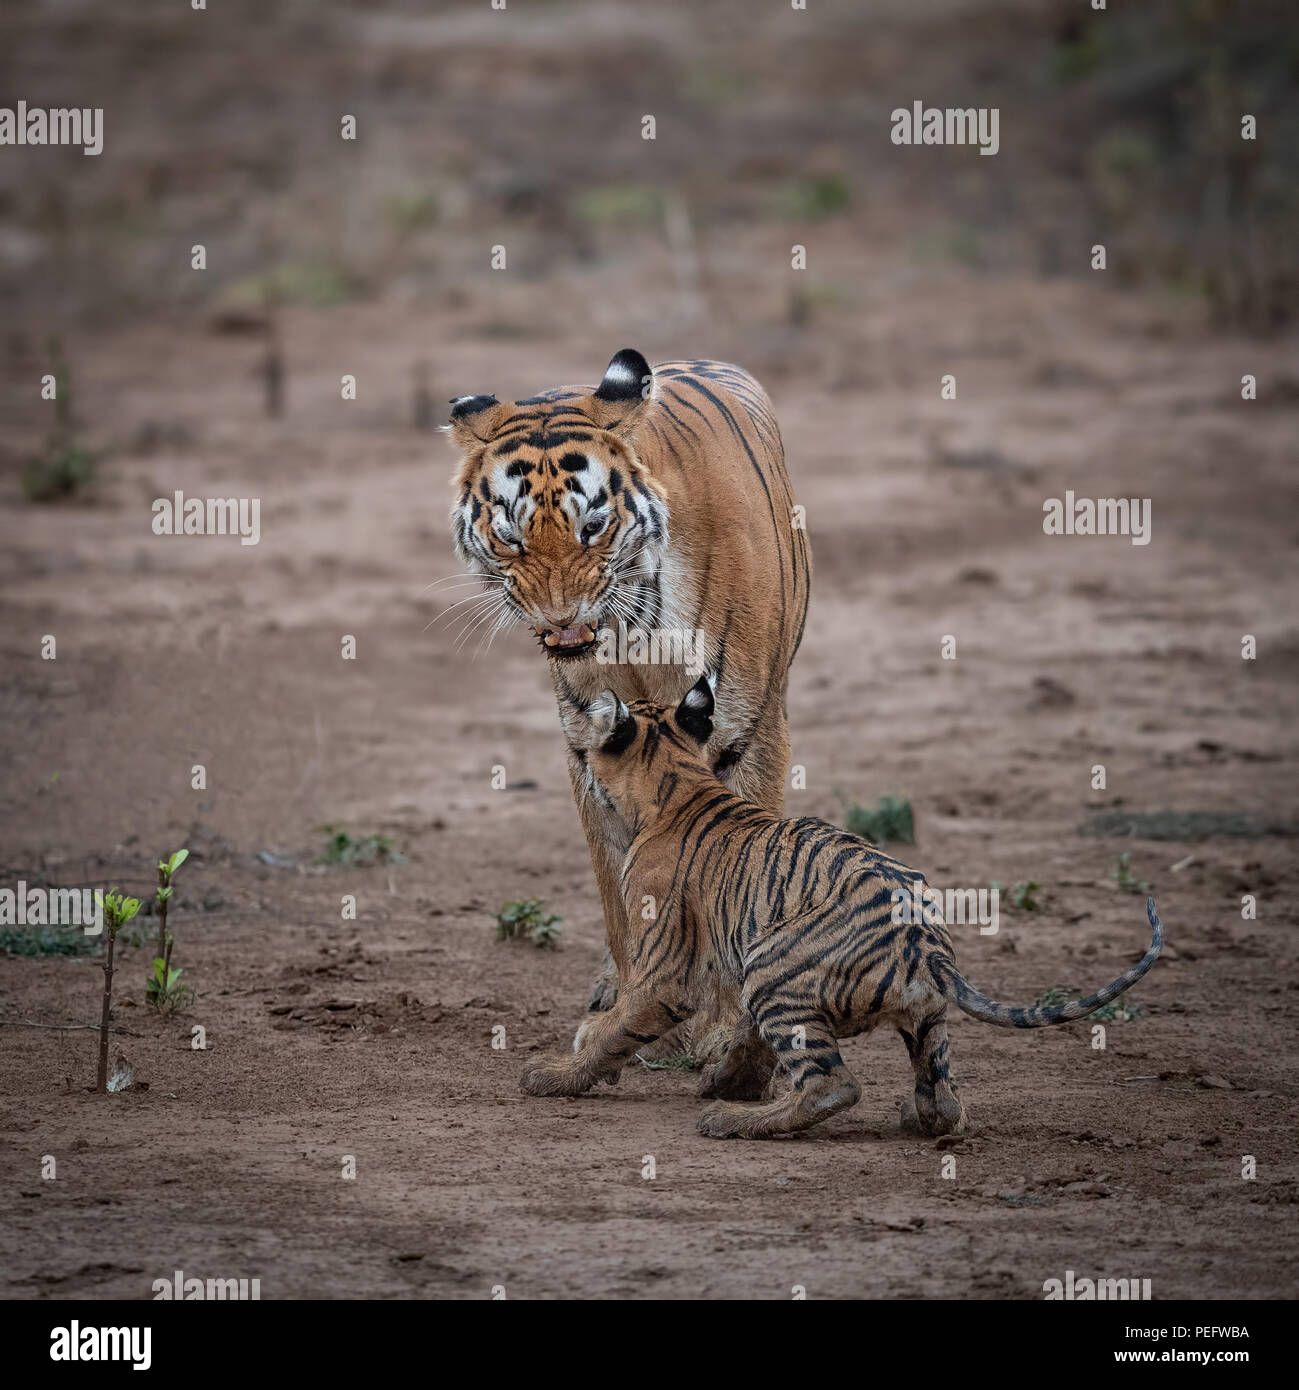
x: 977, y: 1005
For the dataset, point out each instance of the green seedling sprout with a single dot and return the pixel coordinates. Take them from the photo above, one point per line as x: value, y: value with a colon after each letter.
x: 527, y: 919
x: 1024, y: 895
x: 117, y: 910
x: 1125, y: 880
x: 891, y: 821
x: 161, y: 986
x: 344, y: 848
x: 63, y: 466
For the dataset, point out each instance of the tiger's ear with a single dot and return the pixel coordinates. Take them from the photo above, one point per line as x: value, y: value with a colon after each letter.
x: 474, y: 419
x: 620, y: 399
x: 695, y: 712
x: 611, y: 723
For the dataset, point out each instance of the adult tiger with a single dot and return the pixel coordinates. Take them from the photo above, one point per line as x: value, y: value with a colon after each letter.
x: 656, y: 503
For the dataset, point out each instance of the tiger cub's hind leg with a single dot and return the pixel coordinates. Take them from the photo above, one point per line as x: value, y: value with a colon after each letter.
x: 755, y: 770
x: 744, y: 1069
x: 937, y: 1107
x: 822, y: 1086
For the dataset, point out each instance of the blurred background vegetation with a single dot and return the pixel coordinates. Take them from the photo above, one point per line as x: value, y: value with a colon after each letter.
x: 522, y: 126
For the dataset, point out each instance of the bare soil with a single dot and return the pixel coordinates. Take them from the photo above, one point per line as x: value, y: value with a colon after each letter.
x: 373, y: 1038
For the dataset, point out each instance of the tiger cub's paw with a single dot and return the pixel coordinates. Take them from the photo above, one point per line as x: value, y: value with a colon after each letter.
x: 910, y: 1118
x: 553, y: 1079
x: 947, y: 1116
x: 721, y: 1120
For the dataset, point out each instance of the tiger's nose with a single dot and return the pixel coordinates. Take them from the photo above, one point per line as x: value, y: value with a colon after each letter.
x: 551, y: 620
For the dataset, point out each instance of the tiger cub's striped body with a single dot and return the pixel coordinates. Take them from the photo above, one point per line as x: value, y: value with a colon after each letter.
x: 796, y: 915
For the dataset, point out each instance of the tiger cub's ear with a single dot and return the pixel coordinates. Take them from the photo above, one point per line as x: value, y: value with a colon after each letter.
x: 474, y: 419
x: 611, y: 723
x: 620, y: 399
x: 695, y: 712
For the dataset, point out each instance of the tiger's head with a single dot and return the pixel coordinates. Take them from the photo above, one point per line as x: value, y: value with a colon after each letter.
x: 554, y: 509
x: 629, y: 750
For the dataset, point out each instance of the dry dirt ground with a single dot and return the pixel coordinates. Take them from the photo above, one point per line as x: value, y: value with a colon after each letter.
x: 372, y: 1038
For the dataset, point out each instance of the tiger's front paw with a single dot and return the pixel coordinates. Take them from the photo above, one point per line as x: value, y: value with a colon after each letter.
x: 721, y: 1120
x: 553, y: 1079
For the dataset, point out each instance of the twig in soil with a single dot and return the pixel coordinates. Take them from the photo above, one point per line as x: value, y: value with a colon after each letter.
x: 64, y: 1027
x: 117, y: 910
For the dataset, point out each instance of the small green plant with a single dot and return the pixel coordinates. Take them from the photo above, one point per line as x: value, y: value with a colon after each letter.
x: 891, y: 820
x: 1125, y: 880
x: 1023, y: 895
x: 527, y: 920
x: 343, y: 848
x: 62, y: 467
x: 45, y: 941
x: 161, y: 989
x: 817, y: 196
x: 1118, y: 1011
x: 164, y: 992
x: 166, y: 868
x: 117, y: 911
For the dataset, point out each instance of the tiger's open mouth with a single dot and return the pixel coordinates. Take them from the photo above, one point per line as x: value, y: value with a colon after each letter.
x: 570, y: 641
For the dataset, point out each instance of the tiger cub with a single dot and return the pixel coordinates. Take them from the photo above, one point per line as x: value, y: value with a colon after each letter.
x: 795, y: 915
